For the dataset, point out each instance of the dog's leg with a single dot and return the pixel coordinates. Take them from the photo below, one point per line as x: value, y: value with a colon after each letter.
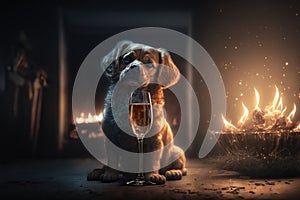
x: 177, y: 169
x: 110, y: 174
x: 153, y: 162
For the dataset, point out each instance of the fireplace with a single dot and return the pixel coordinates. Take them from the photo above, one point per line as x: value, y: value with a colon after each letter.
x: 79, y: 32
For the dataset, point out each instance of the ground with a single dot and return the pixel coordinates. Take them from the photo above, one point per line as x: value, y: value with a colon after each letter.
x: 66, y: 179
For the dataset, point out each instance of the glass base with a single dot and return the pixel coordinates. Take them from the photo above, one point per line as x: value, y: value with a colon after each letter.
x: 140, y: 182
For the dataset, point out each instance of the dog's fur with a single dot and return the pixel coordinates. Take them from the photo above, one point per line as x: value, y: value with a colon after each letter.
x: 149, y: 62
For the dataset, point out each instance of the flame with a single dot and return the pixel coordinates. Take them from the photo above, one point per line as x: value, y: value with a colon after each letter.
x: 275, y: 100
x: 270, y: 118
x: 257, y: 100
x: 89, y: 119
x: 297, y: 128
x: 244, y: 117
x: 228, y: 125
x: 291, y: 115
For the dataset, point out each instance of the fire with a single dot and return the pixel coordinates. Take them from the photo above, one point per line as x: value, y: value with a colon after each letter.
x: 244, y: 117
x: 268, y: 119
x: 89, y: 118
x: 257, y: 100
x: 228, y: 126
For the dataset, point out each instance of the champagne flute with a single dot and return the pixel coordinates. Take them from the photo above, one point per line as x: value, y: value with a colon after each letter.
x: 140, y: 118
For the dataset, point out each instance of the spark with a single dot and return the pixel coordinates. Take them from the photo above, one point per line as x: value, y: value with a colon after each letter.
x: 235, y: 47
x: 283, y: 75
x: 266, y: 57
x: 241, y: 94
x: 286, y: 63
x: 257, y: 74
x: 236, y: 98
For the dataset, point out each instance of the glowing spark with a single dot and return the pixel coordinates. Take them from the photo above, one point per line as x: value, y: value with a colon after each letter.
x: 286, y: 63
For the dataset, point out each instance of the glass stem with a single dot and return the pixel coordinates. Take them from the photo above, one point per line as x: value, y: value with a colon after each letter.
x: 141, y: 161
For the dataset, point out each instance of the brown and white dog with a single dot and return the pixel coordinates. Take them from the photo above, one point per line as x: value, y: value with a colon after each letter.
x: 155, y: 71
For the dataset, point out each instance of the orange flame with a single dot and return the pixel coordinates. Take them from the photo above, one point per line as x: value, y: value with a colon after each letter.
x: 257, y: 100
x: 244, y: 117
x: 272, y: 117
x: 297, y: 128
x: 89, y: 119
x: 228, y: 126
x: 291, y: 115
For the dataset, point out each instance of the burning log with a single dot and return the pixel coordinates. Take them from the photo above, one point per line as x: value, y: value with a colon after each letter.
x: 265, y: 140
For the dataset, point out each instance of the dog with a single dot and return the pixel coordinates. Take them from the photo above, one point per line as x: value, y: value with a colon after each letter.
x: 154, y: 72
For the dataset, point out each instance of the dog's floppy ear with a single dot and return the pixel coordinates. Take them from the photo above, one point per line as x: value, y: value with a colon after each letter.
x: 167, y: 73
x: 110, y: 61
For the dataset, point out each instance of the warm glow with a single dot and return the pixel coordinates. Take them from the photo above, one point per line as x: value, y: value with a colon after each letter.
x: 270, y: 118
x: 89, y: 118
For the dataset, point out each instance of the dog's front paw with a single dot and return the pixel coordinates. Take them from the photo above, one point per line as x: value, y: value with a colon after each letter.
x: 110, y: 176
x: 174, y: 174
x: 156, y: 178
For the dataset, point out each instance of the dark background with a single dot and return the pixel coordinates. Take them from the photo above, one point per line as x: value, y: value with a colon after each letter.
x: 250, y: 42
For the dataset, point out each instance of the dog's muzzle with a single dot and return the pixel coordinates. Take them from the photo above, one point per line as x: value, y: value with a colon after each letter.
x: 134, y: 74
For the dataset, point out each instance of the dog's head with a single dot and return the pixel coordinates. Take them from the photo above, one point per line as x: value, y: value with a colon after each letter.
x: 139, y: 64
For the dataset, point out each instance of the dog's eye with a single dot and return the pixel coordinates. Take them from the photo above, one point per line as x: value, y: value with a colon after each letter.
x: 128, y: 58
x: 149, y: 64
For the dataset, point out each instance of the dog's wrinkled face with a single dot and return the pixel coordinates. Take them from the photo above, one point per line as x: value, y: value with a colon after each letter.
x: 139, y: 65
